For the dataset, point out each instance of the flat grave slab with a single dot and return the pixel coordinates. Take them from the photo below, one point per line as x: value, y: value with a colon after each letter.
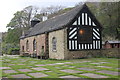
x: 94, y: 63
x: 87, y: 69
x: 20, y: 76
x: 57, y: 67
x: 108, y: 72
x: 11, y: 64
x: 71, y: 66
x: 21, y: 64
x: 70, y: 71
x: 69, y: 76
x: 33, y: 62
x: 40, y: 68
x: 103, y: 62
x: 104, y: 66
x: 118, y: 68
x: 5, y: 68
x: 40, y: 65
x: 59, y: 63
x: 9, y: 71
x: 38, y: 75
x: 25, y: 70
x: 66, y: 65
x: 49, y: 71
x: 91, y: 75
x: 86, y: 61
x: 51, y: 64
x: 67, y: 62
x: 78, y: 62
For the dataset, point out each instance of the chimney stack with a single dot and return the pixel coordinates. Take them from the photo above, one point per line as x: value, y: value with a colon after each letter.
x: 34, y: 22
x: 45, y: 16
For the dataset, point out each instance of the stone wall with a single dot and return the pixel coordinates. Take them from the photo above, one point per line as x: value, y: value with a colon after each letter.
x: 111, y: 52
x: 40, y: 39
x: 40, y: 42
x: 30, y: 42
x: 59, y: 53
x: 107, y: 53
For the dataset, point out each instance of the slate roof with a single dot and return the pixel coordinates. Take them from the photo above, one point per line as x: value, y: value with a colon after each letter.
x: 54, y: 23
x: 112, y: 42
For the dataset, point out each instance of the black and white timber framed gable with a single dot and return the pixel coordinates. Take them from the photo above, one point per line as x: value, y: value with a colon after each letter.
x: 84, y: 31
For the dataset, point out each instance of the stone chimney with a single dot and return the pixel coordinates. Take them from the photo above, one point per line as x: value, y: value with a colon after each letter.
x: 44, y: 17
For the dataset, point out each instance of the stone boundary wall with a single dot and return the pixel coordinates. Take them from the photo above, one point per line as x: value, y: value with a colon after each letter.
x: 108, y: 53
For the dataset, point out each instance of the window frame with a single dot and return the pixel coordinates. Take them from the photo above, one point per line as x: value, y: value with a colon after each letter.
x: 23, y: 48
x: 54, y: 44
x: 34, y: 45
x: 27, y: 45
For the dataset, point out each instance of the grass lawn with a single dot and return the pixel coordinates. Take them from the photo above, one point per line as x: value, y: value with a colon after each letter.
x: 54, y: 67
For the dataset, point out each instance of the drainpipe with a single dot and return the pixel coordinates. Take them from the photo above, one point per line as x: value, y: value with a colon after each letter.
x: 46, y: 45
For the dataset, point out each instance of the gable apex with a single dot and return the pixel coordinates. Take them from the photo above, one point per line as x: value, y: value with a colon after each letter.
x: 86, y: 17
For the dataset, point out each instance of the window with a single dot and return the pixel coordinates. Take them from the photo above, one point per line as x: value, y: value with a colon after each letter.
x: 22, y: 48
x: 42, y: 51
x: 54, y: 41
x: 34, y: 45
x: 42, y: 47
x: 85, y: 35
x: 27, y: 46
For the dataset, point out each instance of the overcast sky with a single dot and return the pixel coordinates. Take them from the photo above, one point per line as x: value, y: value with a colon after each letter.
x: 9, y: 7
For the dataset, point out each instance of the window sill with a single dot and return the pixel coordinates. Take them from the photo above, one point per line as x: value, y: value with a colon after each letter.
x: 54, y: 50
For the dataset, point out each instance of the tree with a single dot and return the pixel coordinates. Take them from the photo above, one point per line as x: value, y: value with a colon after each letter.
x: 107, y: 14
x: 13, y: 36
x: 23, y: 18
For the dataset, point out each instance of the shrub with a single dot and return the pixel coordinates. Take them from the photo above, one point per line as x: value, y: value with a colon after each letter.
x: 6, y: 47
x: 13, y: 51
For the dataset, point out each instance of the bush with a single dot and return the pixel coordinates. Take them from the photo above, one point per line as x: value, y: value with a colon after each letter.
x: 13, y: 51
x: 6, y: 47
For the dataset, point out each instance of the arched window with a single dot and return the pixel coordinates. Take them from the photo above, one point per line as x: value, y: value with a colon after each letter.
x: 34, y: 45
x: 27, y: 45
x: 22, y: 48
x: 54, y: 41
